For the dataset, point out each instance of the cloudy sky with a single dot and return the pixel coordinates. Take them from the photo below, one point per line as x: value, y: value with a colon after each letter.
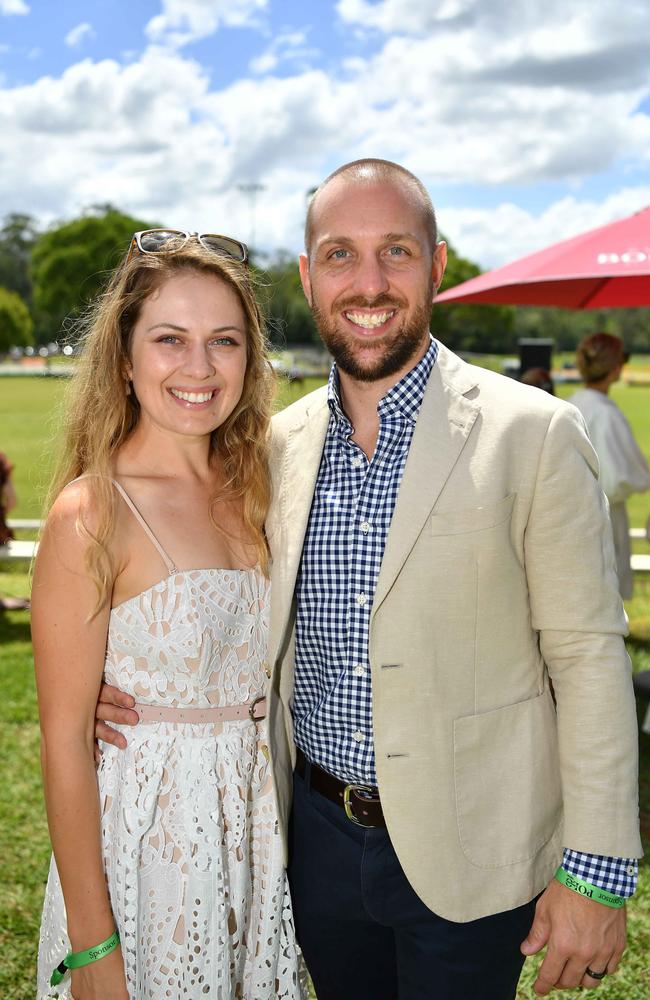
x: 528, y: 121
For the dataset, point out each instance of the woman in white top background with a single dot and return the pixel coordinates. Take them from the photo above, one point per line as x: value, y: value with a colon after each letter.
x: 623, y: 468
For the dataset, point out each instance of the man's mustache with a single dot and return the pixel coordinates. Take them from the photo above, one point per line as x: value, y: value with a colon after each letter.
x: 360, y: 302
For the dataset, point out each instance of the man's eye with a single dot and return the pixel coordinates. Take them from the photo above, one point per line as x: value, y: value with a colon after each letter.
x: 397, y: 251
x: 339, y: 254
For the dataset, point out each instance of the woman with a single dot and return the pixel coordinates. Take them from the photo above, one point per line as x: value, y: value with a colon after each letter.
x: 151, y: 573
x: 623, y: 468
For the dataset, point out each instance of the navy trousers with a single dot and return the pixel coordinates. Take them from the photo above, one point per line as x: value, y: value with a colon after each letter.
x: 365, y: 933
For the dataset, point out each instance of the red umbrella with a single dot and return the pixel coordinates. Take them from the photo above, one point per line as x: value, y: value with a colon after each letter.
x: 605, y: 267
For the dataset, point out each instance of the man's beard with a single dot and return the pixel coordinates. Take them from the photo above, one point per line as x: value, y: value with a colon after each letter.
x: 393, y: 352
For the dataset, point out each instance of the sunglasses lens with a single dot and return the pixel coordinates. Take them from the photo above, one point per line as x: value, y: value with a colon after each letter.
x: 154, y: 240
x: 224, y: 245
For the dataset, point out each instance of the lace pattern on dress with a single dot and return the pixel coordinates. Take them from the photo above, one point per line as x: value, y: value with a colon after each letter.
x: 192, y: 852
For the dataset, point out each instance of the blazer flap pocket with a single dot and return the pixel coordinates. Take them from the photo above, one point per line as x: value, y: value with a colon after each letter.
x: 472, y: 518
x: 507, y: 776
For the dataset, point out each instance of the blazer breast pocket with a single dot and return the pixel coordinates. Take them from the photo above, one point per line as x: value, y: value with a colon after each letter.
x: 460, y: 522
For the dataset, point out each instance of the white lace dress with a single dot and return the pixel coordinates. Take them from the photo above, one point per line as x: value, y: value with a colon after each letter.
x: 191, y: 847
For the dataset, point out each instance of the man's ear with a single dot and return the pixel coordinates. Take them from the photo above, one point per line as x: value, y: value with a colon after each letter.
x: 303, y: 264
x: 439, y: 264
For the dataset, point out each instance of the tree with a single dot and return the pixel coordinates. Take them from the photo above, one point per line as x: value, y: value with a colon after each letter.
x: 462, y: 327
x: 72, y: 262
x: 288, y: 313
x: 17, y: 237
x: 16, y: 324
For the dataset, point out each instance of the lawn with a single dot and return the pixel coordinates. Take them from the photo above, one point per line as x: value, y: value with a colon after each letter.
x: 27, y: 426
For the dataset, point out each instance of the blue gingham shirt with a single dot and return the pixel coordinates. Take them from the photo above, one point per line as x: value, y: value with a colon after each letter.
x: 344, y: 545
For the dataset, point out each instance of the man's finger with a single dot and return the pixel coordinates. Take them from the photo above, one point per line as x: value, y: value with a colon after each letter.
x: 109, y: 735
x: 550, y: 971
x: 574, y: 973
x: 602, y: 963
x: 108, y: 712
x: 113, y: 696
x: 538, y: 933
x: 612, y: 965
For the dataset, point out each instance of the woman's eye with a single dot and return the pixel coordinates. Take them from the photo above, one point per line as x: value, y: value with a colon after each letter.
x: 223, y: 341
x: 169, y: 338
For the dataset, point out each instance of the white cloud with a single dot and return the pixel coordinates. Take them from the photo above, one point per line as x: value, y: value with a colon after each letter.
x: 285, y: 47
x: 185, y: 21
x: 472, y: 101
x: 495, y: 236
x: 77, y: 35
x: 8, y: 7
x: 461, y: 106
x: 401, y: 16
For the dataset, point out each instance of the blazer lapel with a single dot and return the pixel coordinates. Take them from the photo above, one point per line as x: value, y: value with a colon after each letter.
x: 300, y: 465
x: 443, y: 426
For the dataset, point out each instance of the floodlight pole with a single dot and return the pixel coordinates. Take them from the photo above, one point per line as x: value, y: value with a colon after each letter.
x: 252, y: 189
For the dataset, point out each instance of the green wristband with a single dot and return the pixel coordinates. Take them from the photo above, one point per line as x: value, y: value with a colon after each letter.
x: 77, y: 959
x: 589, y: 891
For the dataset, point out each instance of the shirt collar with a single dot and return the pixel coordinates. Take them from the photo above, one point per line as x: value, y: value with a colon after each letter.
x: 403, y: 398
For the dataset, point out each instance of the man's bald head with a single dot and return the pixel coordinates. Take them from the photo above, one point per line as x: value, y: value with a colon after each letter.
x: 370, y: 171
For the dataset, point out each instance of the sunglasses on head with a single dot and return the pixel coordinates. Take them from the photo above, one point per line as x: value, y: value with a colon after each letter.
x: 157, y: 240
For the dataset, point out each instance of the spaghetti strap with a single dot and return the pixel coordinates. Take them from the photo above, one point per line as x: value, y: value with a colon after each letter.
x: 169, y: 563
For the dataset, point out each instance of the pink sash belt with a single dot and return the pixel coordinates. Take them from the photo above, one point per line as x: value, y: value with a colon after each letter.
x: 253, y: 711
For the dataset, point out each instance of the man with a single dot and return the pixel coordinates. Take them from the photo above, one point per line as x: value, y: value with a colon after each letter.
x: 440, y: 553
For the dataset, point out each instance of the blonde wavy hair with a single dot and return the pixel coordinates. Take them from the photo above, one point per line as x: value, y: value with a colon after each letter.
x: 100, y: 413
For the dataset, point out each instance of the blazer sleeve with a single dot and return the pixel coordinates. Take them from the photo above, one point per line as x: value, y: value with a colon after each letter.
x: 579, y: 616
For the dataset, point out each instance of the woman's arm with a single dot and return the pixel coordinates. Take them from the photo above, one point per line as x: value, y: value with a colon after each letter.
x: 69, y: 651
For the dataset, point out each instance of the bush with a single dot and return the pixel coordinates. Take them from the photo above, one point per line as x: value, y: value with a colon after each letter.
x: 16, y: 326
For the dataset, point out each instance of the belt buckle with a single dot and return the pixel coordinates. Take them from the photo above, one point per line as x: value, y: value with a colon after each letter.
x: 347, y: 804
x: 251, y: 709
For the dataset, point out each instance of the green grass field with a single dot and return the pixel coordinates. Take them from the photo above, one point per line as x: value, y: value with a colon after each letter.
x: 27, y: 429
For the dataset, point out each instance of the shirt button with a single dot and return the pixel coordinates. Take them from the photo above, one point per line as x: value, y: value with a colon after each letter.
x: 359, y: 737
x: 365, y: 527
x: 359, y: 670
x: 630, y: 870
x: 356, y: 461
x: 361, y: 599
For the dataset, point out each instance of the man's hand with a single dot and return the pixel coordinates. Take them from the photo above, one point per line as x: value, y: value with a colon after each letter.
x: 579, y: 933
x: 114, y: 706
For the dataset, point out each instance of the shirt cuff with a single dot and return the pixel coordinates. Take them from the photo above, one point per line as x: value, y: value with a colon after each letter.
x: 616, y: 875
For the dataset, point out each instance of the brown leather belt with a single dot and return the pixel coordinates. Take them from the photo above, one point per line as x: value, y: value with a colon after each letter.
x: 360, y: 802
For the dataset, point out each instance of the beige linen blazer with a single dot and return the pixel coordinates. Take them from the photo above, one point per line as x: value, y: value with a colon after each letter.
x: 498, y: 576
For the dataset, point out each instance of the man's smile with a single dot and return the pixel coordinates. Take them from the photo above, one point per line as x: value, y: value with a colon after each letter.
x: 369, y: 321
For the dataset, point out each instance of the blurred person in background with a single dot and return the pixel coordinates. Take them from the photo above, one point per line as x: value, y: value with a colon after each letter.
x: 623, y: 468
x: 540, y: 378
x: 8, y: 498
x: 8, y: 501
